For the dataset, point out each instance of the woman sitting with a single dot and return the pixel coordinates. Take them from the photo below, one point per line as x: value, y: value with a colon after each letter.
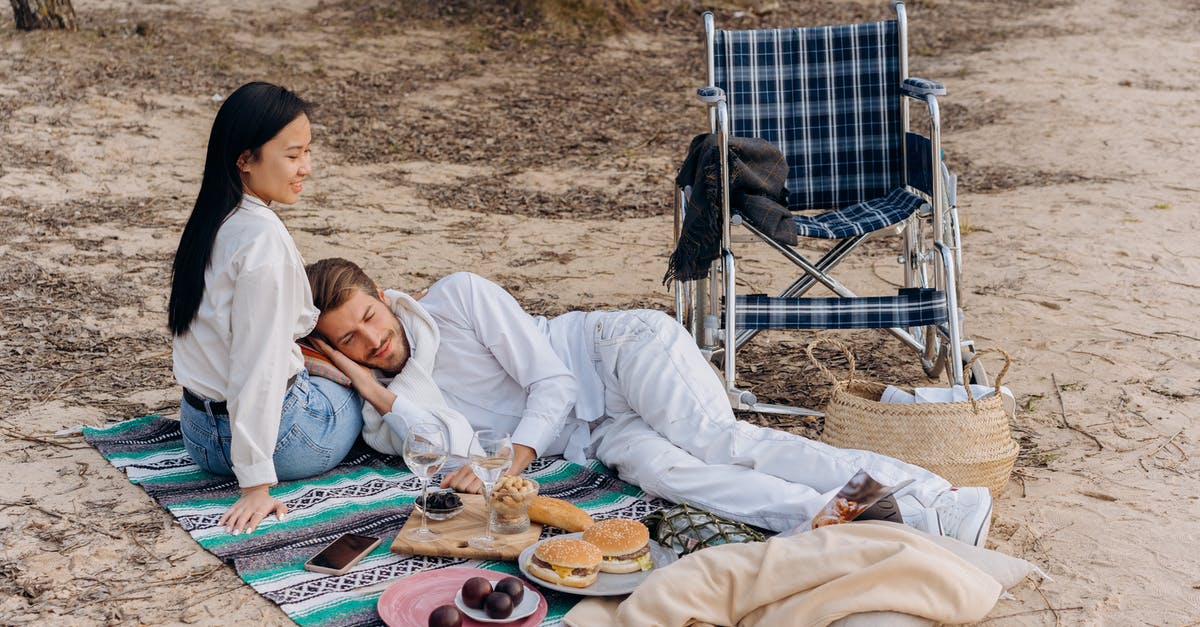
x: 240, y: 300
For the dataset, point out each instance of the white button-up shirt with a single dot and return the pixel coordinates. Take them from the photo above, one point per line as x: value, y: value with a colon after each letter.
x: 241, y: 347
x: 505, y: 369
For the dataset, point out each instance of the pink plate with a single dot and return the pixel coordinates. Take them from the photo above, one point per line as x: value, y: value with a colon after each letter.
x: 410, y: 601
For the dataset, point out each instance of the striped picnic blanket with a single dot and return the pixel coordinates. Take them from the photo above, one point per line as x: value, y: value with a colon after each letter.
x: 367, y: 493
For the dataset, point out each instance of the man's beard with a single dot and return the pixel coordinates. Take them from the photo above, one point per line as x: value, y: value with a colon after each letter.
x: 394, y: 360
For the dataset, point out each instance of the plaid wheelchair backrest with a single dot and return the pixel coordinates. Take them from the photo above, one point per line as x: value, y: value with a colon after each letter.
x: 827, y: 97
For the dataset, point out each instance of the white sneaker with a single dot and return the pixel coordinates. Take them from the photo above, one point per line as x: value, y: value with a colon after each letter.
x: 925, y: 519
x: 965, y: 514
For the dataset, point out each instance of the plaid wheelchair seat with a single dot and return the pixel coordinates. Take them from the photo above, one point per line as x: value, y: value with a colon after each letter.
x: 860, y: 218
x: 908, y: 308
x: 835, y: 101
x: 828, y: 98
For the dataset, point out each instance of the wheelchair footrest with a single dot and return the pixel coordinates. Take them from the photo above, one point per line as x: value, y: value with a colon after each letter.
x: 911, y: 307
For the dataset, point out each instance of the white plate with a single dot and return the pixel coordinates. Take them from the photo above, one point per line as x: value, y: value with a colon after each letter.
x: 607, y: 583
x: 529, y: 604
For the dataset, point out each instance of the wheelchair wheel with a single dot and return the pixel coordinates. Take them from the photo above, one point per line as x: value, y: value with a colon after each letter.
x: 922, y: 269
x: 978, y: 374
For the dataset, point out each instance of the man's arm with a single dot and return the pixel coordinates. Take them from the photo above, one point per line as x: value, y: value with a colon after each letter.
x: 520, y: 348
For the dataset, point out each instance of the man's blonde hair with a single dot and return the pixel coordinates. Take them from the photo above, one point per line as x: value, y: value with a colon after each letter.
x: 335, y: 280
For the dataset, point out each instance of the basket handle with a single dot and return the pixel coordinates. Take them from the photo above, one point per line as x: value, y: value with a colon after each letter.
x: 836, y: 344
x: 999, y: 377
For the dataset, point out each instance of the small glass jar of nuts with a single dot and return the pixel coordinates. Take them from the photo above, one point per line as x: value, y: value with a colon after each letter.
x: 511, y: 498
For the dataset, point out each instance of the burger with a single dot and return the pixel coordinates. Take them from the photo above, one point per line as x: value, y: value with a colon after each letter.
x: 566, y: 562
x: 624, y: 543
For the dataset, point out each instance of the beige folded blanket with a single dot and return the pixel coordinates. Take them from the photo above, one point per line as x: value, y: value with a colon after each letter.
x: 814, y: 578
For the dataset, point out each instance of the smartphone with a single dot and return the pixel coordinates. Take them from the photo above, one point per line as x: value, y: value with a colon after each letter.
x: 342, y: 554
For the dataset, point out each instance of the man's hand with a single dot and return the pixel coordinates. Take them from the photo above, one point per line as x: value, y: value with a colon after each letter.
x: 464, y: 480
x: 255, y: 504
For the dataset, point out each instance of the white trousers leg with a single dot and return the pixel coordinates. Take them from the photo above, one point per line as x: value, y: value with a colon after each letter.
x: 674, y: 434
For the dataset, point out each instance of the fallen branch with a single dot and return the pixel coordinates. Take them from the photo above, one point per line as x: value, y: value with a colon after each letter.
x: 1182, y: 335
x: 1063, y: 411
x: 1055, y: 610
x: 1163, y: 445
x: 60, y: 385
x: 1135, y: 333
x: 31, y: 438
x: 225, y: 591
x: 31, y: 505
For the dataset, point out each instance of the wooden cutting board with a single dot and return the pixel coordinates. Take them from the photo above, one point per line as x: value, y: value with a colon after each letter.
x: 456, y: 531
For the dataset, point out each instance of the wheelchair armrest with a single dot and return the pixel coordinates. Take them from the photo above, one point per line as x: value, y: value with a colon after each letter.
x: 918, y: 88
x: 710, y: 95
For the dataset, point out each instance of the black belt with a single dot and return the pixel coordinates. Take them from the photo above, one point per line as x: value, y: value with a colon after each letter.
x: 218, y: 408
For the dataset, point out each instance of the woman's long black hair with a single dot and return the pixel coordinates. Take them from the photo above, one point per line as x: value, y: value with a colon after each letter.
x: 249, y: 118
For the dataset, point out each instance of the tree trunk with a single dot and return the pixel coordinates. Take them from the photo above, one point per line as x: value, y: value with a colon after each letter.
x: 31, y: 14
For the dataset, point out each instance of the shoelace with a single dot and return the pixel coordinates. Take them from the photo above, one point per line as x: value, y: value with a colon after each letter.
x: 950, y: 514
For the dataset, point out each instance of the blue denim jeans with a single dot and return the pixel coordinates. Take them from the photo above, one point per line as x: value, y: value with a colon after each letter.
x: 320, y: 422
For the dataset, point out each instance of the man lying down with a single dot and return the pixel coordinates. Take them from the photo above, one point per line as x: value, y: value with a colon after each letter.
x: 629, y: 388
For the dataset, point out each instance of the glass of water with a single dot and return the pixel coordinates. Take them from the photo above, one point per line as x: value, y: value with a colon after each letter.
x: 425, y: 451
x: 491, y: 454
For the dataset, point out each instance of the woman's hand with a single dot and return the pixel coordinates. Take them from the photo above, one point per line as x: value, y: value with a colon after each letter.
x: 255, y: 504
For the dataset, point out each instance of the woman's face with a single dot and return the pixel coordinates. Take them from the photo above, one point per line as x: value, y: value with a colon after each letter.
x: 277, y: 174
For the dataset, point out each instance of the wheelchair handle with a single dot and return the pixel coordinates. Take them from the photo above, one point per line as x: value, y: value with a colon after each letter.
x: 710, y: 95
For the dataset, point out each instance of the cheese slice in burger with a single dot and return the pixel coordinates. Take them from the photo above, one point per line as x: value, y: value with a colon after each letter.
x: 624, y: 543
x: 566, y: 562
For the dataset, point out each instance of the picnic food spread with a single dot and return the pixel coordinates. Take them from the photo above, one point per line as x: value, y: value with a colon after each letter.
x: 559, y: 513
x: 624, y: 543
x: 567, y: 562
x: 511, y: 498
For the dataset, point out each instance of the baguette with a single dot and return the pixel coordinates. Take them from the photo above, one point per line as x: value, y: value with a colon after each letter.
x: 559, y: 513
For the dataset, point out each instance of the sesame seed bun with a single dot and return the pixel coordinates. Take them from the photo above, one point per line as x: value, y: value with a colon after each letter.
x: 566, y: 562
x: 569, y: 552
x: 617, y: 536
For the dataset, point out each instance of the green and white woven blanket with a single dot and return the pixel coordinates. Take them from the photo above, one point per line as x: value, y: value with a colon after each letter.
x: 367, y: 493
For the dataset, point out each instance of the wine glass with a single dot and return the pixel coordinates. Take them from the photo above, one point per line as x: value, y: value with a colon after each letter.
x: 425, y: 451
x: 491, y: 454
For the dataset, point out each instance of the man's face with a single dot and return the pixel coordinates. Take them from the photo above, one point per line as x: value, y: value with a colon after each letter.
x: 365, y: 330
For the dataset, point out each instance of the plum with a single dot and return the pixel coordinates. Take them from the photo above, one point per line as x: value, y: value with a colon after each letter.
x: 498, y: 605
x: 475, y: 590
x: 513, y: 587
x: 445, y: 616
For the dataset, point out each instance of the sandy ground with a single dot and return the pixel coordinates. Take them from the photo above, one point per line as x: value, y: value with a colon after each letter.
x: 448, y: 141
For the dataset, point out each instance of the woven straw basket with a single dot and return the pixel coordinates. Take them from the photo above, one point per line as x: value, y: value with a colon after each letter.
x: 969, y: 443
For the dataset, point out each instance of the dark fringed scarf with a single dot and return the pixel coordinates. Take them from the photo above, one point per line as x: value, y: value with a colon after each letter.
x: 758, y: 175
